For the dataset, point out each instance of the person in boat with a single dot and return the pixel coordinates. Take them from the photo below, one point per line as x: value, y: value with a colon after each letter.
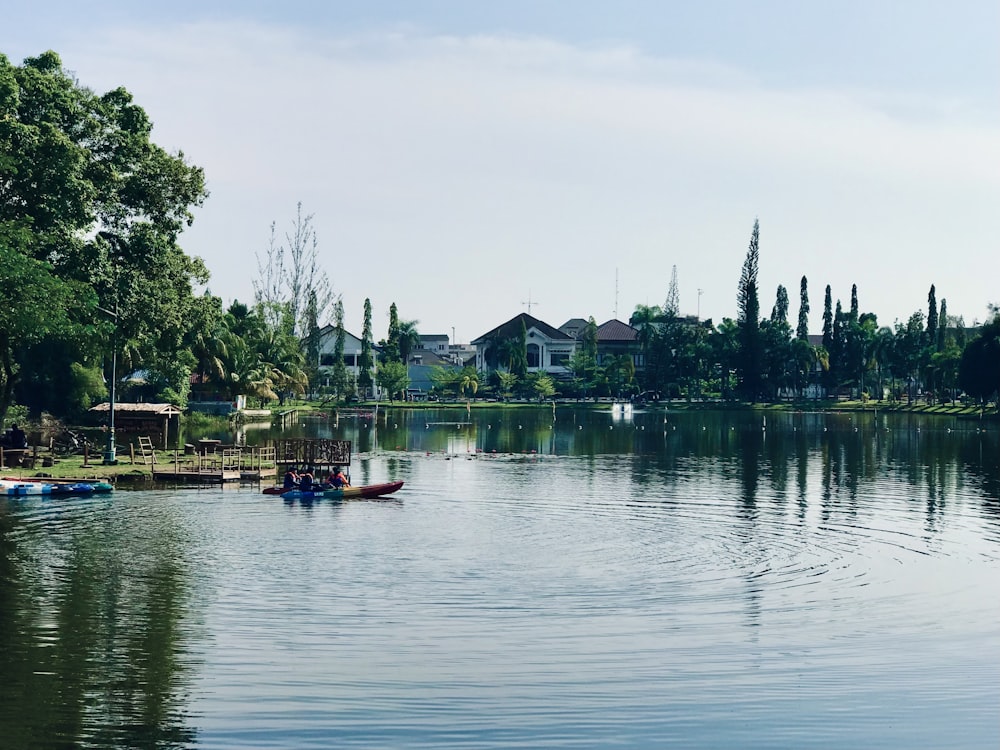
x: 291, y: 479
x: 17, y: 437
x: 306, y: 480
x: 337, y: 479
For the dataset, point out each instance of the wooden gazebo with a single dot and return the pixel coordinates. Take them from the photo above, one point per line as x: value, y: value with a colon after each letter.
x: 144, y: 418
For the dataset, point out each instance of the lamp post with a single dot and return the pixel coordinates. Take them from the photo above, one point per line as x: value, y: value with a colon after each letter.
x: 110, y: 454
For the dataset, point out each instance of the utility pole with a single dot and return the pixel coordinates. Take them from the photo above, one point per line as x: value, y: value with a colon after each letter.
x: 699, y: 303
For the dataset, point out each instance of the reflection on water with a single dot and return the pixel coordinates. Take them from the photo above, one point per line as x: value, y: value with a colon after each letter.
x: 702, y: 580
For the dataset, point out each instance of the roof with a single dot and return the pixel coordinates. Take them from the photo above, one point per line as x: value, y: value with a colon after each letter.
x: 139, y: 410
x: 427, y: 357
x: 512, y: 329
x: 574, y: 327
x: 330, y: 331
x: 615, y: 330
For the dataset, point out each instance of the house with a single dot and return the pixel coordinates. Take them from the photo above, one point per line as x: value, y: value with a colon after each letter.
x: 352, y: 353
x: 434, y: 342
x: 616, y: 339
x: 548, y: 349
x: 420, y: 370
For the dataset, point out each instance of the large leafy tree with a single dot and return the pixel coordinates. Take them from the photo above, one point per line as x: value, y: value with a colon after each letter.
x: 84, y: 190
x: 979, y: 369
x: 392, y: 378
x: 37, y: 305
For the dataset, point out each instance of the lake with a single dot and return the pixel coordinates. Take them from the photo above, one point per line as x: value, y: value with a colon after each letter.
x: 695, y: 580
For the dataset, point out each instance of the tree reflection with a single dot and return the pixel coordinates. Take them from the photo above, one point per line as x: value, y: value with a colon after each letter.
x: 92, y: 648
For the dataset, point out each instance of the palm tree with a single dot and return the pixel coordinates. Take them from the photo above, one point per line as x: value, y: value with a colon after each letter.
x: 469, y: 381
x: 409, y: 339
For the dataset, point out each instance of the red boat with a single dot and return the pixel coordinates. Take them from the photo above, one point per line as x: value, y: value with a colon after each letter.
x: 344, y: 493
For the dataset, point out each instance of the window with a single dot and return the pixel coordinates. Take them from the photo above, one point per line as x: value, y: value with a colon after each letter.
x: 326, y: 360
x: 533, y: 355
x: 558, y: 359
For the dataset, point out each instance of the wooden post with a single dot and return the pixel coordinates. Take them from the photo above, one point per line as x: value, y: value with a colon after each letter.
x: 176, y: 463
x: 131, y: 453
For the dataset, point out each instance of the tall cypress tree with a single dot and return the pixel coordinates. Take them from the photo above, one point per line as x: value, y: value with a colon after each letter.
x: 779, y: 313
x: 366, y: 361
x: 854, y: 303
x: 802, y: 331
x: 828, y: 320
x: 390, y: 349
x: 942, y: 331
x: 932, y: 317
x: 340, y: 376
x: 748, y: 304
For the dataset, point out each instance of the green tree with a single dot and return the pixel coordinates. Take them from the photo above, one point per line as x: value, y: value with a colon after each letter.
x: 85, y: 190
x: 779, y: 313
x: 392, y: 378
x: 42, y: 310
x: 748, y: 304
x: 802, y: 330
x: 507, y: 381
x: 932, y: 318
x: 408, y: 338
x: 366, y: 361
x: 447, y: 380
x: 311, y: 341
x: 339, y: 377
x: 542, y: 384
x: 979, y: 369
x: 390, y: 345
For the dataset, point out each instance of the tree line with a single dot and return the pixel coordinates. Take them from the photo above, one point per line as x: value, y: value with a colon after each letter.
x: 97, y: 290
x: 763, y: 358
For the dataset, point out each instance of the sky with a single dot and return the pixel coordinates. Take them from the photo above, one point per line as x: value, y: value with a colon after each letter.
x: 467, y: 160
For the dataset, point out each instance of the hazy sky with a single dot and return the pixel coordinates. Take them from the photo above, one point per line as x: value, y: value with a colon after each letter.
x: 460, y: 158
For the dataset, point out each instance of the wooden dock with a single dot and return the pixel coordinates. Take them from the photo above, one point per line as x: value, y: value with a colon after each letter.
x: 218, y: 464
x: 186, y: 474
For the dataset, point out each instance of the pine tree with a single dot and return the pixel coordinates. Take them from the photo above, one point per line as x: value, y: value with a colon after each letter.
x: 673, y: 304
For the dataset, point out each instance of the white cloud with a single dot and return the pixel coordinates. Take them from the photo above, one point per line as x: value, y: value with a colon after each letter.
x: 453, y: 174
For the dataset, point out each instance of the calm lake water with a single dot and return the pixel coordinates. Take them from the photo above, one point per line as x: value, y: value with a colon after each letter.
x: 690, y: 580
